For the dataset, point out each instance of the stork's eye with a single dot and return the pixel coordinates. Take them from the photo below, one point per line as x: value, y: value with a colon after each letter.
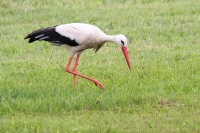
x: 122, y: 42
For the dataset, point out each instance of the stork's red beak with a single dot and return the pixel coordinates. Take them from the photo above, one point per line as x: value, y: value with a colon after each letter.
x: 125, y: 51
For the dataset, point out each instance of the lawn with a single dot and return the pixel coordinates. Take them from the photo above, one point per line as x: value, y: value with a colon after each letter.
x: 160, y: 94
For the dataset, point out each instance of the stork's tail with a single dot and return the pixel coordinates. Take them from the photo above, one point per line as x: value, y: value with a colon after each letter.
x: 40, y: 34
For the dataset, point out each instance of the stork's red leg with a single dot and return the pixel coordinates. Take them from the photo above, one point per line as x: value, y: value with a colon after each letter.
x: 68, y: 63
x: 74, y: 69
x: 97, y: 83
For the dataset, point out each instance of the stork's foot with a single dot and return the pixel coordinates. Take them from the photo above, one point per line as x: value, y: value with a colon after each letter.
x: 97, y: 83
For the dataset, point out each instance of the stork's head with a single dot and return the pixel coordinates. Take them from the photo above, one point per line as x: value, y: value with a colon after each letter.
x: 122, y: 41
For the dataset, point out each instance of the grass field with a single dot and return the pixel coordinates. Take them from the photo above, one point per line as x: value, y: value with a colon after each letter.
x: 160, y: 94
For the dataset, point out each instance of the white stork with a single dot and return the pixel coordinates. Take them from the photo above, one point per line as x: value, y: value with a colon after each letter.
x: 77, y: 37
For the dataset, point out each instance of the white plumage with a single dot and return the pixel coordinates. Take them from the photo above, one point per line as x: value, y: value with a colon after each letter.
x: 78, y: 37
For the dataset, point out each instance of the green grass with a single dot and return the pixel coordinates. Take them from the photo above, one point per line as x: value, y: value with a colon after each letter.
x: 160, y: 94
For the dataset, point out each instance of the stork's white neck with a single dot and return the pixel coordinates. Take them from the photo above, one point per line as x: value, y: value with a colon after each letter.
x: 120, y: 39
x: 110, y: 38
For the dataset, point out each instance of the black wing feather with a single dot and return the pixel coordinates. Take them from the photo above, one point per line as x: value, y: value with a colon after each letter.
x: 49, y: 34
